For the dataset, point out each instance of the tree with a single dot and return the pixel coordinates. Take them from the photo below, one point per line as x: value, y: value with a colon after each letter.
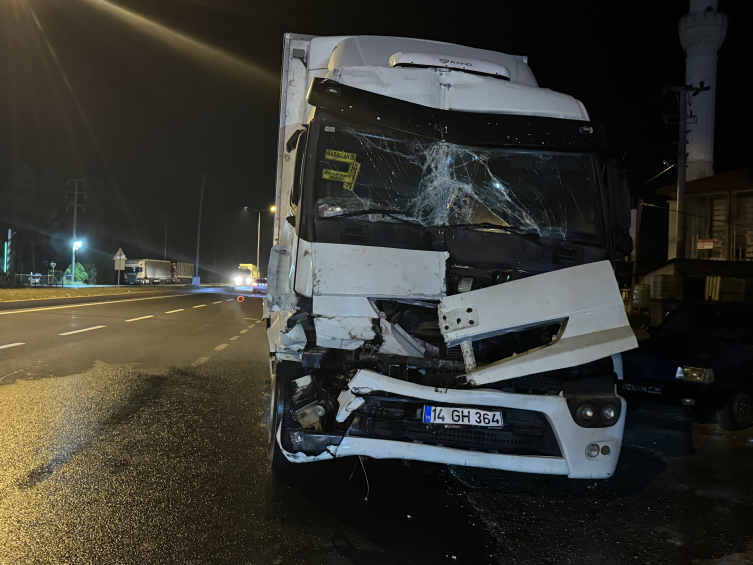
x: 91, y: 272
x: 80, y: 274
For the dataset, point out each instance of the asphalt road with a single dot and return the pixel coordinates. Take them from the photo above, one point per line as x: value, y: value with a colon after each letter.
x: 141, y: 441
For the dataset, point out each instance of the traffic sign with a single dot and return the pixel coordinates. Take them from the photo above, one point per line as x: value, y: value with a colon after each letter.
x: 120, y: 260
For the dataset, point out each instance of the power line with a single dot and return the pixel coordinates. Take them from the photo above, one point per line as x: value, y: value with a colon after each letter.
x: 655, y: 176
x: 697, y: 216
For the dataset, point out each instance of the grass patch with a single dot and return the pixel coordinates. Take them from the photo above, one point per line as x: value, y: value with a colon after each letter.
x: 12, y: 294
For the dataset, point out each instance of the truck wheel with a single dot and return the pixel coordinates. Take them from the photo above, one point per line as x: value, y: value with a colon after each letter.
x: 737, y: 412
x: 274, y: 416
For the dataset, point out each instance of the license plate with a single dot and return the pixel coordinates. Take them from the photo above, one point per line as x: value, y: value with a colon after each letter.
x: 461, y: 416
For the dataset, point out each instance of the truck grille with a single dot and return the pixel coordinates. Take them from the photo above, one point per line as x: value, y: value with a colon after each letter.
x: 524, y: 432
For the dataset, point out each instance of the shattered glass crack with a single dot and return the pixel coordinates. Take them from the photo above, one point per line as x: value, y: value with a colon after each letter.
x: 437, y: 183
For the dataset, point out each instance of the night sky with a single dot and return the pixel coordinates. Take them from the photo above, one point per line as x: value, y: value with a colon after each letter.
x: 142, y: 97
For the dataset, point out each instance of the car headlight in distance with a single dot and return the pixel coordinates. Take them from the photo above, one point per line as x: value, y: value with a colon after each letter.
x: 248, y: 280
x: 695, y: 374
x: 238, y: 280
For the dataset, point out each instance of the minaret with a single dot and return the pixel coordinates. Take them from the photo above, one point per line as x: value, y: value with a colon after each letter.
x: 702, y: 32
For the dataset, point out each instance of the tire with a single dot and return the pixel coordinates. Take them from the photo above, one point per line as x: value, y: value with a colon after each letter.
x: 275, y: 414
x: 737, y: 412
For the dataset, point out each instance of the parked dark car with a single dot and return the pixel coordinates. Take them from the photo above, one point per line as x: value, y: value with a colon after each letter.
x: 260, y: 285
x: 702, y: 356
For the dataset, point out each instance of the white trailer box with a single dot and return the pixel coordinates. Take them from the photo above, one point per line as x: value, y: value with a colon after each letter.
x: 148, y: 271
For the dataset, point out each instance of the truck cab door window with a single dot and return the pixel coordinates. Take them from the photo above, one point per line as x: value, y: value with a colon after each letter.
x: 297, y: 141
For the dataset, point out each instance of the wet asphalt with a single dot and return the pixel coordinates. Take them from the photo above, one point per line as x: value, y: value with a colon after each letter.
x: 141, y: 442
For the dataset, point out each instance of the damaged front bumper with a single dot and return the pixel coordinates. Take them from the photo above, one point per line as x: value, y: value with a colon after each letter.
x: 566, y: 452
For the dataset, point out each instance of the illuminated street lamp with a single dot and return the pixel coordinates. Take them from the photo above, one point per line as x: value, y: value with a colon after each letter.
x: 76, y: 245
x: 258, y: 233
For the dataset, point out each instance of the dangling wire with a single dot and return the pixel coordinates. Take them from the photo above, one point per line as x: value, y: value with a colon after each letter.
x: 355, y: 466
x: 368, y: 489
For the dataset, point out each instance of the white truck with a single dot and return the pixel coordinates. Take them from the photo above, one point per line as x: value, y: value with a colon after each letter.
x: 441, y: 286
x: 155, y: 271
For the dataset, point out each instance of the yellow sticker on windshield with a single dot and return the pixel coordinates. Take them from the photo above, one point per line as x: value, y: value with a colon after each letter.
x: 338, y: 176
x: 348, y: 178
x: 353, y: 171
x: 342, y: 156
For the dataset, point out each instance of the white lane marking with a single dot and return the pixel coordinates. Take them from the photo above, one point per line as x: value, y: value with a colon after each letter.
x: 171, y: 311
x: 84, y: 330
x: 228, y: 300
x: 103, y: 303
x: 199, y: 306
x: 250, y: 327
x: 11, y: 345
x: 244, y: 331
x: 199, y: 361
x: 241, y: 318
x: 221, y: 347
x: 218, y: 302
x: 137, y: 319
x: 256, y: 322
x: 234, y: 337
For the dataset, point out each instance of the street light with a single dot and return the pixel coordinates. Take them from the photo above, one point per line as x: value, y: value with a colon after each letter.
x: 76, y: 245
x: 258, y: 233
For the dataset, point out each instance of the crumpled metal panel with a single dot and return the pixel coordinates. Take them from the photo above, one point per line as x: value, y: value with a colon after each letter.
x: 586, y: 298
x: 343, y: 333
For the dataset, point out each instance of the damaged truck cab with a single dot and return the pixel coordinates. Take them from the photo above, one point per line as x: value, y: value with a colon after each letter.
x: 441, y: 286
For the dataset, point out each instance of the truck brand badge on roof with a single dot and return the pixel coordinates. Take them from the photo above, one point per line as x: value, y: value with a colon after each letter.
x: 430, y: 60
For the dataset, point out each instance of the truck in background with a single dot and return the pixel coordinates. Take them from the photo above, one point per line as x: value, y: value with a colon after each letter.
x: 441, y: 286
x: 156, y: 271
x: 182, y: 272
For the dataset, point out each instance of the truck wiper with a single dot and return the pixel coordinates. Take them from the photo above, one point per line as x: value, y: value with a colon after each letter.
x: 388, y: 213
x: 530, y: 236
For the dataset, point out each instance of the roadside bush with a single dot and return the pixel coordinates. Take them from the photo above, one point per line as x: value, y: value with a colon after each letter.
x: 80, y: 275
x: 91, y: 273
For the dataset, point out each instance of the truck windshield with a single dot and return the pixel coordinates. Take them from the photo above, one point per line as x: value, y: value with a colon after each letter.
x: 435, y: 183
x: 132, y: 269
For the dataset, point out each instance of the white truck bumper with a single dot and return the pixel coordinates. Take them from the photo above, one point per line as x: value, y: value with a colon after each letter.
x: 572, y: 438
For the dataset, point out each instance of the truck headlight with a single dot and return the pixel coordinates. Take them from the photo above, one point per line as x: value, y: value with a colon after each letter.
x: 695, y: 374
x: 248, y: 280
x: 586, y: 414
x: 238, y: 280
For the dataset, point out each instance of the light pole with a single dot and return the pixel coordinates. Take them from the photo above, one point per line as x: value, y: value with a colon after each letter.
x: 258, y: 233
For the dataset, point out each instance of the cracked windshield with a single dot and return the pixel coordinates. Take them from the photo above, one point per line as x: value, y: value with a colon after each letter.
x: 436, y: 183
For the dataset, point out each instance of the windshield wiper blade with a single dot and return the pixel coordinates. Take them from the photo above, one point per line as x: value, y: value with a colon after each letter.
x: 533, y: 237
x: 388, y: 213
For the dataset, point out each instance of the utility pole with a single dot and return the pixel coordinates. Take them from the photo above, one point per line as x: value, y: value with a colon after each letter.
x: 198, y: 231
x: 258, y: 240
x: 75, y: 193
x: 164, y: 256
x: 258, y: 233
x: 682, y: 131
